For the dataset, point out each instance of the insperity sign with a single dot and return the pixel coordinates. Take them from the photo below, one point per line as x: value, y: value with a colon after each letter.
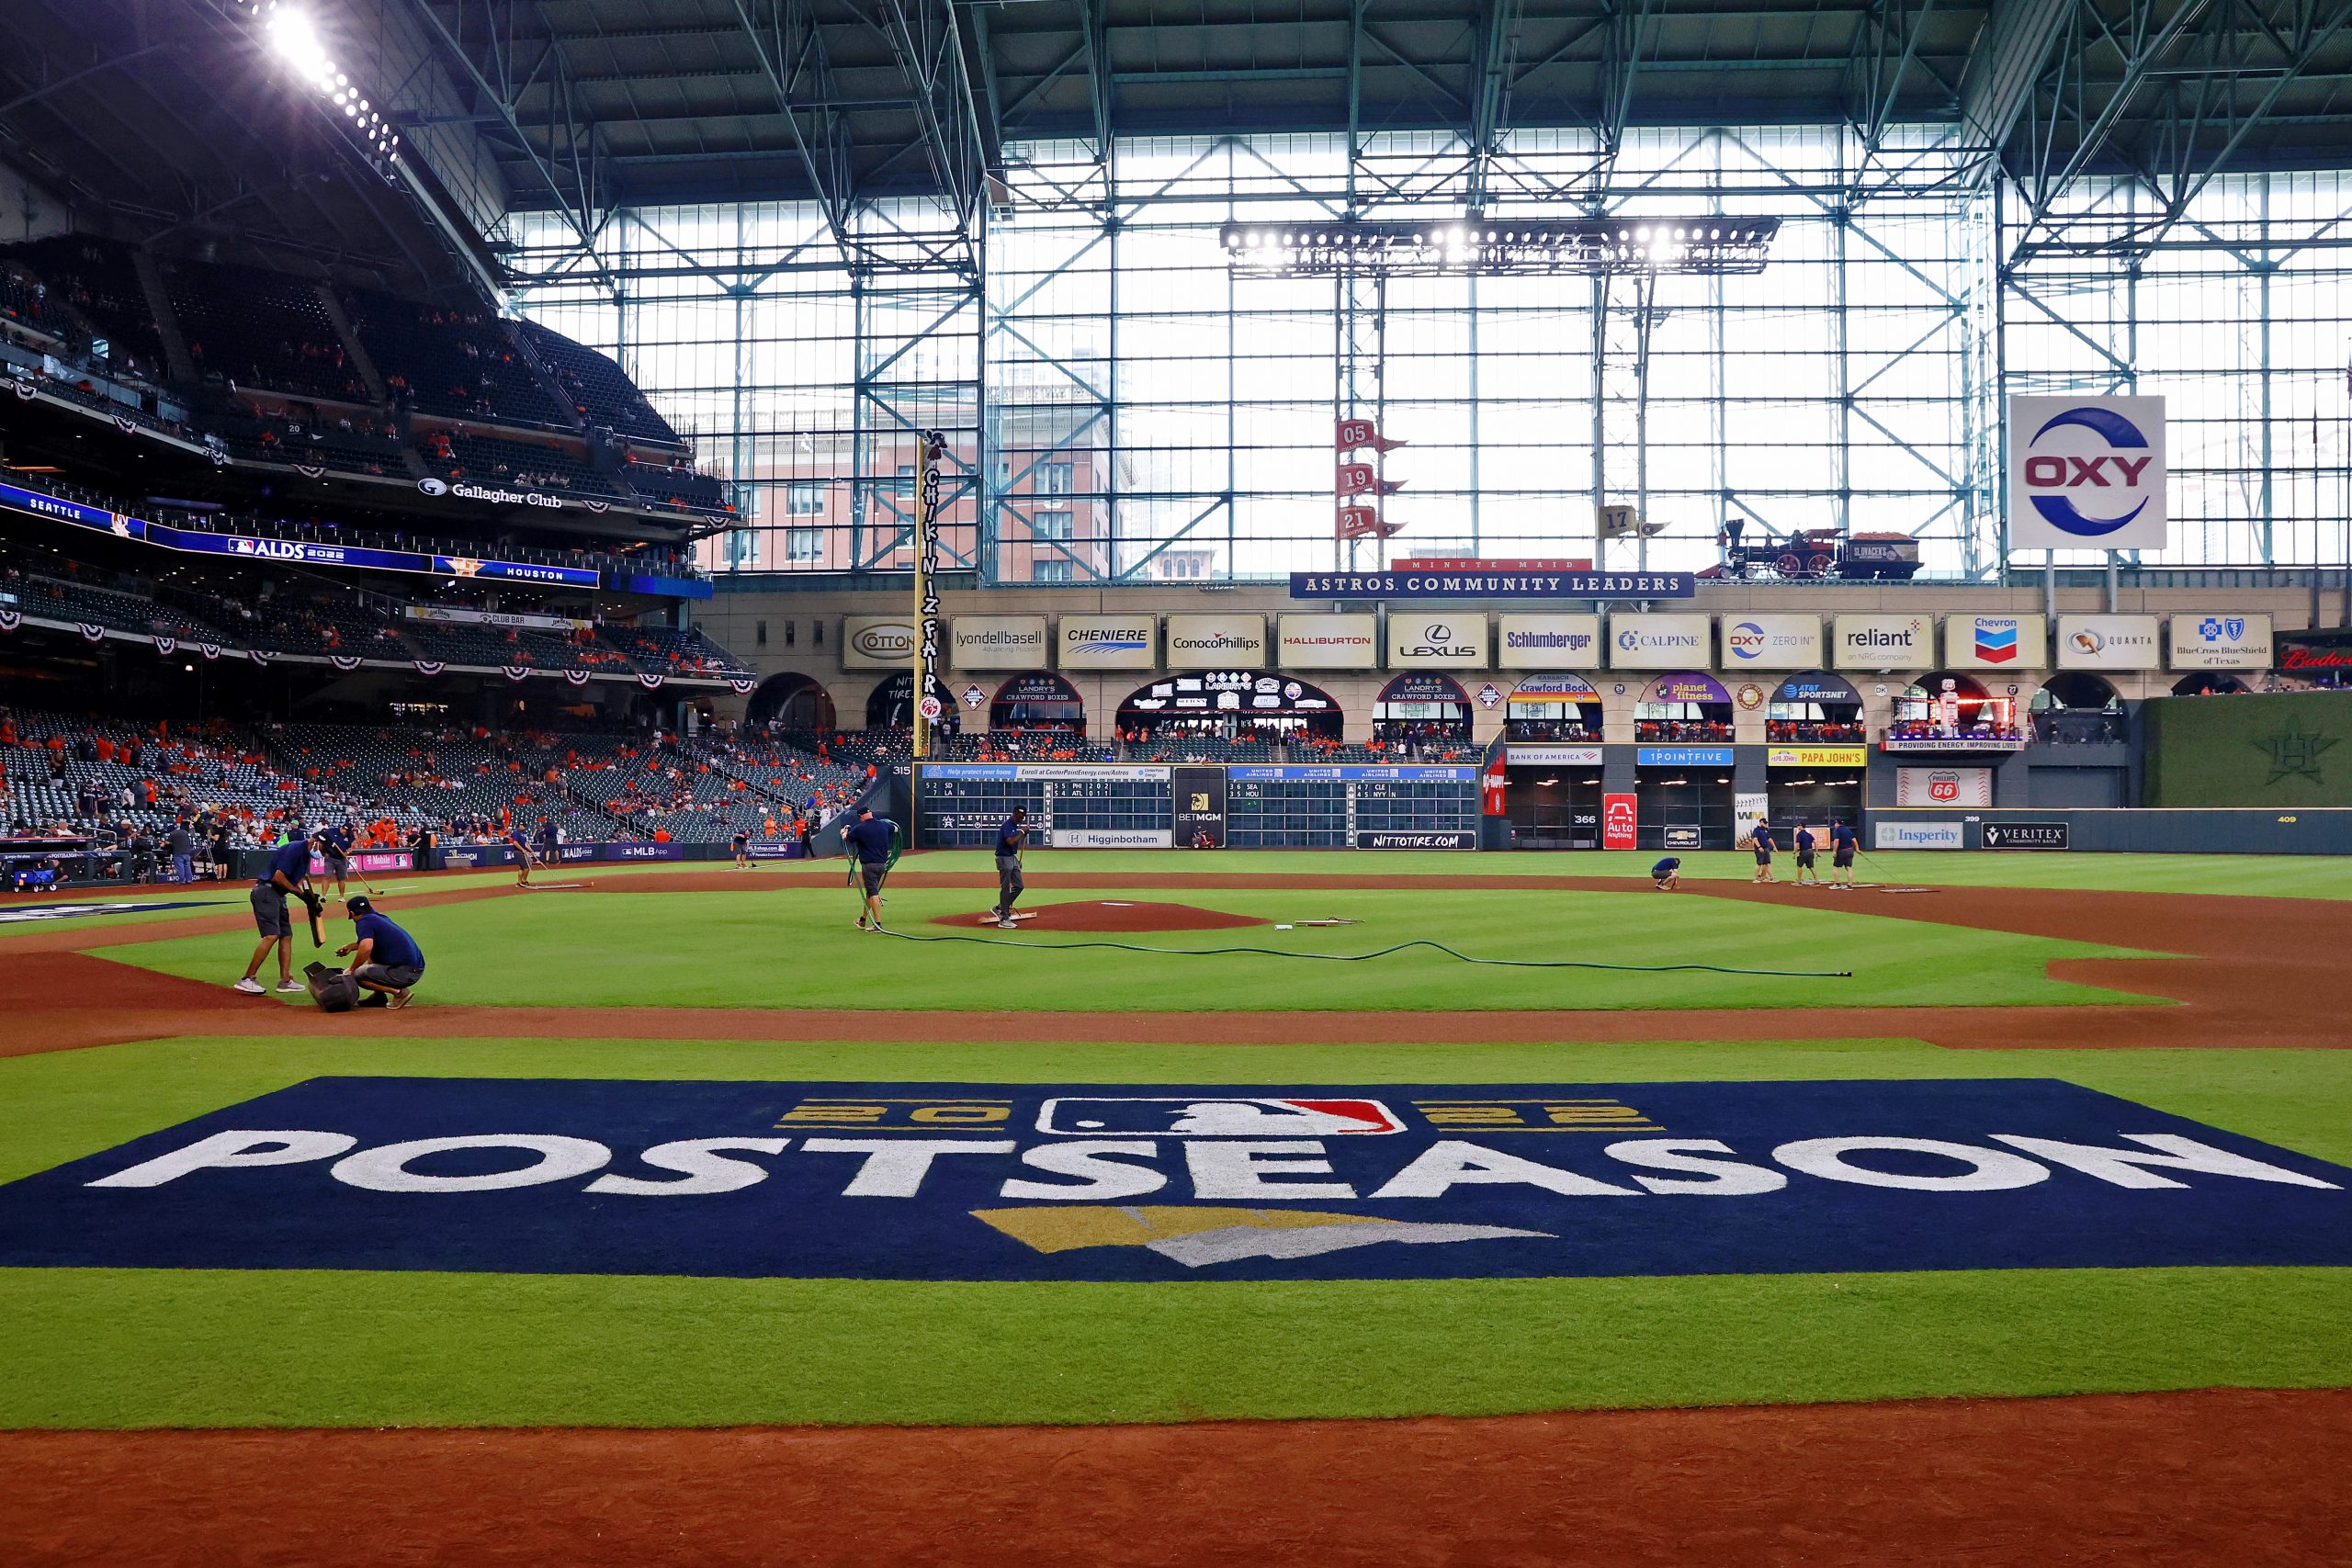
x: 1168, y: 1181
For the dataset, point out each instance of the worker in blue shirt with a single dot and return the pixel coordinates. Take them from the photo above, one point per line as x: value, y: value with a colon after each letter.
x: 1763, y: 839
x: 1805, y: 866
x: 872, y: 842
x: 1842, y: 845
x: 1668, y: 874
x: 288, y: 875
x: 384, y: 958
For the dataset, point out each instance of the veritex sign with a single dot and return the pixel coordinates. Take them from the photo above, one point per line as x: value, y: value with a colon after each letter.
x: 1119, y: 1181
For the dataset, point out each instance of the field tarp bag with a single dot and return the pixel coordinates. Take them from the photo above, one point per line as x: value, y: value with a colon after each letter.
x: 333, y: 990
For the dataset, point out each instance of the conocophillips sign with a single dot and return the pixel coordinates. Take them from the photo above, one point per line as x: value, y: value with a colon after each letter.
x: 1216, y: 642
x: 1110, y: 642
x: 877, y: 642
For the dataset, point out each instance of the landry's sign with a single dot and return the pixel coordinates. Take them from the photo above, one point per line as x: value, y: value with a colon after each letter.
x: 1491, y: 585
x: 1181, y: 1181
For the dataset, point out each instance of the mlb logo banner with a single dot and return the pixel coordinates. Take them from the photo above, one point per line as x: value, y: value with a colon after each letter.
x: 2087, y: 474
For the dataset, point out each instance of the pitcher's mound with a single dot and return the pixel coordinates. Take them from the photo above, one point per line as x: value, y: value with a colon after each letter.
x: 1103, y: 915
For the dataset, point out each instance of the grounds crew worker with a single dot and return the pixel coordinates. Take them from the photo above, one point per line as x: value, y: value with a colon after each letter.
x: 870, y: 842
x: 288, y: 872
x: 1010, y: 838
x: 385, y: 959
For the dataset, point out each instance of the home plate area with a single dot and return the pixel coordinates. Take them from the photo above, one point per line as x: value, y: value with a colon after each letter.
x: 1113, y: 914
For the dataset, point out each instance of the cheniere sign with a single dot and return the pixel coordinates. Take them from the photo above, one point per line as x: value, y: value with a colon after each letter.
x: 994, y: 1181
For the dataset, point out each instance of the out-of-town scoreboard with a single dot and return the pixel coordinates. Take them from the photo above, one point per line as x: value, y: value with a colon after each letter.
x: 1083, y: 805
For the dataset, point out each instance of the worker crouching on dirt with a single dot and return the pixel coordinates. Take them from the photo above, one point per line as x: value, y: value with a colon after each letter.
x: 385, y: 959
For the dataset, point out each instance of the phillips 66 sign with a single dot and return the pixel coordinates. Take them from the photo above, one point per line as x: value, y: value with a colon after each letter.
x: 2086, y: 474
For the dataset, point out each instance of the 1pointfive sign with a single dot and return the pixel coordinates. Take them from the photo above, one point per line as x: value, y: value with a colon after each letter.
x: 2087, y: 473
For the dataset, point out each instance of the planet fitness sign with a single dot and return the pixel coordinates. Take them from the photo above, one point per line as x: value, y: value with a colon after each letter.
x: 990, y: 1182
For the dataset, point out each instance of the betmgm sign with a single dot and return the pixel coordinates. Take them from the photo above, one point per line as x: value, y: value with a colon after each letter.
x: 2086, y: 474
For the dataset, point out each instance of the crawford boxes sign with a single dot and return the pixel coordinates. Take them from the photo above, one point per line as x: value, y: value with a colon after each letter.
x: 2087, y: 473
x: 1181, y: 1181
x: 1109, y: 642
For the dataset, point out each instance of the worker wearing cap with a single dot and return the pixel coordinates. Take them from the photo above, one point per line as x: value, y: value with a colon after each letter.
x: 384, y: 958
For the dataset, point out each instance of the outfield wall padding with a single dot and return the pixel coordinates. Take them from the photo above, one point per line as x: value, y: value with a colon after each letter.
x: 2323, y: 831
x: 2282, y: 750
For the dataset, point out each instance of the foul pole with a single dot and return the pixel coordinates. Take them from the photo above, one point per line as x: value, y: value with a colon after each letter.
x: 934, y: 447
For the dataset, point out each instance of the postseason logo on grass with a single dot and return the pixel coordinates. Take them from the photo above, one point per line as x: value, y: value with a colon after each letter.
x: 30, y: 912
x: 986, y: 1181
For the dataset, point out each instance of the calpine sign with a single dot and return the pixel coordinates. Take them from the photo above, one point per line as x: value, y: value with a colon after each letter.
x: 1181, y: 1181
x: 2087, y: 473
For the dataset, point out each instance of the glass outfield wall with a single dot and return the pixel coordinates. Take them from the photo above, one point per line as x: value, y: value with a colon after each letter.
x: 1123, y: 406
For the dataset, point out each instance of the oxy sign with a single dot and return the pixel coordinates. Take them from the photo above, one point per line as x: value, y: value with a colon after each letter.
x: 2087, y: 474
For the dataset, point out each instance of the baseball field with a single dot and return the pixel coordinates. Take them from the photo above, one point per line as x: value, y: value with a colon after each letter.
x: 1271, y: 1207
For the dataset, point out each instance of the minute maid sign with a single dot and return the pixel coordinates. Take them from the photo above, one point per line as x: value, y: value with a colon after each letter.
x: 1180, y: 1181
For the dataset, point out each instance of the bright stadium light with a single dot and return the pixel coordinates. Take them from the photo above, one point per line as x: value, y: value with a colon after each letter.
x: 292, y: 35
x: 1575, y: 245
x: 296, y: 41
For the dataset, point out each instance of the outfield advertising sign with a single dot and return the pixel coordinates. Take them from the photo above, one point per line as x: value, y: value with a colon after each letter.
x: 1943, y: 786
x: 1892, y: 833
x: 2025, y: 835
x: 1883, y: 642
x: 1996, y: 642
x: 2223, y: 640
x: 1772, y: 642
x: 2109, y: 642
x: 1152, y: 1182
x: 2087, y: 473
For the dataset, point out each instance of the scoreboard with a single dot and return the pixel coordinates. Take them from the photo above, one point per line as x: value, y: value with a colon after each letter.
x: 1084, y: 805
x: 1351, y: 805
x: 1072, y: 806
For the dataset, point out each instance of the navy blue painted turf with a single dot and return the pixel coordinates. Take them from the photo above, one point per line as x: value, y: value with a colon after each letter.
x: 796, y: 1222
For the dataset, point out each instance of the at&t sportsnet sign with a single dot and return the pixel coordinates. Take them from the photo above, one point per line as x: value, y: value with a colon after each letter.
x: 2087, y: 473
x: 1154, y: 1182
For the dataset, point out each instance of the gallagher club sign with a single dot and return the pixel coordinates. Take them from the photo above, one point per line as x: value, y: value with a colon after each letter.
x: 1153, y: 1183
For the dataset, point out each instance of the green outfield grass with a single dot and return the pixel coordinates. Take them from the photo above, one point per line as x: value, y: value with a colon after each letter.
x: 795, y: 946
x: 128, y: 1348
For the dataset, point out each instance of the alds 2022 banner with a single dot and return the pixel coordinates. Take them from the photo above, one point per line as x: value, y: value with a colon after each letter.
x: 986, y: 1181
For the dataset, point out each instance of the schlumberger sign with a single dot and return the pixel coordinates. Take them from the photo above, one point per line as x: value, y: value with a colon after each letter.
x: 991, y: 1181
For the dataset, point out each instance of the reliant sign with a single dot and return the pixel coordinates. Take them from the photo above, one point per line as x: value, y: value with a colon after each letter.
x: 1492, y: 585
x: 1109, y: 642
x: 1547, y: 642
x: 1330, y: 642
x: 2228, y: 640
x: 998, y: 642
x: 1772, y: 642
x: 2087, y: 473
x: 1658, y: 642
x: 2109, y: 642
x: 1181, y: 1181
x: 1996, y: 642
x: 1421, y: 642
x: 1883, y: 642
x: 1216, y: 642
x: 877, y: 642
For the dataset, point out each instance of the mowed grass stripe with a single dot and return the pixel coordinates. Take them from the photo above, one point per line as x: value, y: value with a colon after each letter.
x: 798, y: 947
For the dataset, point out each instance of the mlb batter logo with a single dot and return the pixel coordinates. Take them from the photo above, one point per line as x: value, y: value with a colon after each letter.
x: 1997, y: 641
x: 1179, y: 1116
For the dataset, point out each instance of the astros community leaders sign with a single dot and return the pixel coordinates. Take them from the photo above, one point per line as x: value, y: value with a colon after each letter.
x: 1150, y: 1183
x: 1492, y: 585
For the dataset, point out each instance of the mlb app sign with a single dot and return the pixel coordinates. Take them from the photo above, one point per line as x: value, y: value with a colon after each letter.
x: 2087, y: 474
x: 1151, y: 1183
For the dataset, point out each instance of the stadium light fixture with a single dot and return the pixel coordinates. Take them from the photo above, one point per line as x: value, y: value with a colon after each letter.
x: 292, y: 35
x: 1501, y: 245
